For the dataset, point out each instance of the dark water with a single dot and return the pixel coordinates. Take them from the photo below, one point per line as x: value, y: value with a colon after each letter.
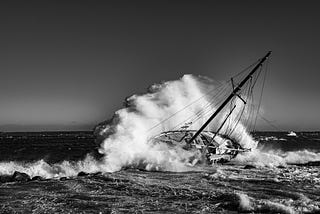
x: 229, y: 188
x: 52, y: 147
x: 281, y: 140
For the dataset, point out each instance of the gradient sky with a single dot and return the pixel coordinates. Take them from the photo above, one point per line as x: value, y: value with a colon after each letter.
x: 70, y: 64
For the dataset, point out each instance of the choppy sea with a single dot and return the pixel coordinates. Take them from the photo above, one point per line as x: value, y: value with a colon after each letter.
x: 283, y: 177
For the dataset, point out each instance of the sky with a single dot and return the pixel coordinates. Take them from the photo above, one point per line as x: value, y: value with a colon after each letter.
x: 68, y: 65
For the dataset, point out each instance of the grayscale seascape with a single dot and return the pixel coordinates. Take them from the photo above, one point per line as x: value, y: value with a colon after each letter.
x: 233, y: 187
x: 140, y: 106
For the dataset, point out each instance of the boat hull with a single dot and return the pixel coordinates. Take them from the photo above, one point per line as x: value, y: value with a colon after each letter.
x: 209, y: 147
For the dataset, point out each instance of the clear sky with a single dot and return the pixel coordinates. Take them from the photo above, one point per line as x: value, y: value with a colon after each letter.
x: 70, y: 64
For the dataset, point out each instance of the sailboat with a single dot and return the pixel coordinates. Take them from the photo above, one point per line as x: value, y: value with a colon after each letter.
x: 215, y: 146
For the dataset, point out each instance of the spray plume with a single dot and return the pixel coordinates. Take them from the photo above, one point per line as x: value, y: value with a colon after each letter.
x: 127, y: 136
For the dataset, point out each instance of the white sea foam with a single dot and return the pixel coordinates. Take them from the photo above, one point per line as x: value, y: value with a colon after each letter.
x: 271, y: 158
x: 272, y: 138
x: 303, y: 156
x: 42, y: 168
x: 245, y: 203
x: 278, y: 208
x: 127, y: 136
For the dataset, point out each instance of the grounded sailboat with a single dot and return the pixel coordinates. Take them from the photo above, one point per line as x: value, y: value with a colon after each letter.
x: 214, y: 146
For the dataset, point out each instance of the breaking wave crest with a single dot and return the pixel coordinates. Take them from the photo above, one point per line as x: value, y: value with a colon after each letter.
x: 274, y: 158
x: 43, y: 169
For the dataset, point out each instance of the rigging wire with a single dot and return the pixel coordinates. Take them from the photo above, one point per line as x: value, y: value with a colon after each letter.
x: 183, y: 108
x: 262, y: 88
x: 245, y: 69
x: 248, y: 88
x: 251, y: 98
x: 251, y: 111
x: 270, y: 123
x: 247, y: 120
x: 198, y: 116
x: 202, y: 113
x: 229, y: 119
x: 206, y: 109
x: 224, y: 121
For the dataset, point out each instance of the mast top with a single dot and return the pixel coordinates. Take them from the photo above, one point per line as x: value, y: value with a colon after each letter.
x: 233, y: 93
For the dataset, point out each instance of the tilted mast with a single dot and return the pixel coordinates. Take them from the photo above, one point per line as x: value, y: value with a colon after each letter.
x: 233, y: 93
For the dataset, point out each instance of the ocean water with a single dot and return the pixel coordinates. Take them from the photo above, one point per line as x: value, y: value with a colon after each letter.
x: 281, y: 176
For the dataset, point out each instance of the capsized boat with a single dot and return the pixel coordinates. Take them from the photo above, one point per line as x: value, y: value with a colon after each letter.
x: 210, y: 146
x: 215, y: 146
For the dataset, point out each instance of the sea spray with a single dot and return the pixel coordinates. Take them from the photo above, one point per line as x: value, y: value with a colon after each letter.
x: 126, y: 138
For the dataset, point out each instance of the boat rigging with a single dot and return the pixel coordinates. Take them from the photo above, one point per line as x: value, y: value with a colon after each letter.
x: 215, y: 146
